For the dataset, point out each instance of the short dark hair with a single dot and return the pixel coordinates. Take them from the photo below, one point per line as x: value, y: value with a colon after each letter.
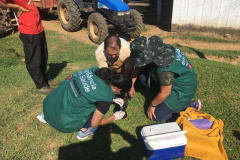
x: 120, y: 80
x: 112, y: 41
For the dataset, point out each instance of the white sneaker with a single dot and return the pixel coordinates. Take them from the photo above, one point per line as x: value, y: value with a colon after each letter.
x: 84, y: 135
x: 80, y: 135
x: 40, y: 117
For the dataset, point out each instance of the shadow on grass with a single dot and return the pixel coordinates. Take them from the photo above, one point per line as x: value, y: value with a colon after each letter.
x: 236, y: 134
x: 7, y: 33
x: 56, y: 68
x: 49, y: 16
x: 99, y: 147
x: 199, y: 54
x: 146, y: 92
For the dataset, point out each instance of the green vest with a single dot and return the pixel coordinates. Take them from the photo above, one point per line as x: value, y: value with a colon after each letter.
x: 184, y: 85
x: 68, y: 107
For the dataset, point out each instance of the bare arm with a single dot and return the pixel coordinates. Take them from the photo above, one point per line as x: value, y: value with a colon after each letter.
x: 7, y: 5
x: 160, y: 97
x: 97, y: 119
x: 18, y: 9
x: 13, y: 6
x: 133, y: 73
x: 166, y: 80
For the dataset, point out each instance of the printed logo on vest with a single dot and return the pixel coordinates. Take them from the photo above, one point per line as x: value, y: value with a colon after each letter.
x: 80, y: 73
x: 75, y: 88
x: 179, y: 55
x: 87, y: 81
x: 190, y: 66
x: 70, y: 77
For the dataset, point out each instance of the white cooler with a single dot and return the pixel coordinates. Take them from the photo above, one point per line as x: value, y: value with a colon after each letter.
x: 164, y: 141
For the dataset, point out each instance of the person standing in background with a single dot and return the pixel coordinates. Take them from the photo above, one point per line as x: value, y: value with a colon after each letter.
x: 34, y: 42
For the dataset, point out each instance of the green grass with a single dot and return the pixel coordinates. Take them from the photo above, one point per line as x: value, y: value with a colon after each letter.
x: 23, y: 137
x: 205, y: 39
x: 231, y: 54
x: 207, y: 52
x: 145, y: 29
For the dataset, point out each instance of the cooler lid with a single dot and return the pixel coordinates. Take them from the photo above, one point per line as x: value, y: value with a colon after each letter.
x: 162, y: 136
x: 160, y: 129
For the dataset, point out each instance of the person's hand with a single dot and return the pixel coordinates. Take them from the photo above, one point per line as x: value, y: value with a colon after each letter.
x: 151, y: 113
x: 118, y: 101
x: 19, y: 10
x: 22, y: 9
x: 119, y: 115
x: 132, y: 92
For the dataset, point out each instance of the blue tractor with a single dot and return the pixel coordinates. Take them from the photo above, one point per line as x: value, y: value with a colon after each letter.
x: 101, y: 14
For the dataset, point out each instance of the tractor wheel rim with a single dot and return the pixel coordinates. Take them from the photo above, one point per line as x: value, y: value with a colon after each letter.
x: 64, y: 14
x: 94, y: 30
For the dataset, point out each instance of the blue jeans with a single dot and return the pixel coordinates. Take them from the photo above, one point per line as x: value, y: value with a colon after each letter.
x: 164, y: 113
x: 88, y: 123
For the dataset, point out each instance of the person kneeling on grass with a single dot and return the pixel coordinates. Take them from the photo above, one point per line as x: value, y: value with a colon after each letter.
x: 172, y: 78
x: 81, y: 101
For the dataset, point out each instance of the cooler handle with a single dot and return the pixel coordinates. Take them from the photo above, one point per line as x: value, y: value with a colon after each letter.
x: 162, y: 135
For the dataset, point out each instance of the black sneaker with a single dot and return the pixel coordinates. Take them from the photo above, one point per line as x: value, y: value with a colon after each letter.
x: 125, y: 100
x: 118, y: 108
x: 45, y: 90
x: 53, y: 83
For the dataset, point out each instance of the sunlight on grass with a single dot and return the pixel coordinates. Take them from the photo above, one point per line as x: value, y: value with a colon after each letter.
x: 24, y: 137
x: 145, y: 29
x: 218, y: 53
x: 205, y: 39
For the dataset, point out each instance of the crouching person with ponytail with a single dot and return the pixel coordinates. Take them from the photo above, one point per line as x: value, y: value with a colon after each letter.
x: 81, y: 101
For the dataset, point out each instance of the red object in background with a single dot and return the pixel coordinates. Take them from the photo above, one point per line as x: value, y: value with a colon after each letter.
x: 45, y: 4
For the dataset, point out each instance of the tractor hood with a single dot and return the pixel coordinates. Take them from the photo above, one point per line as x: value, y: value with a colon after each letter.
x: 116, y: 5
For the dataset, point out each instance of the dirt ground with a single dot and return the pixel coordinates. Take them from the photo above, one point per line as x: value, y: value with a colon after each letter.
x: 82, y: 35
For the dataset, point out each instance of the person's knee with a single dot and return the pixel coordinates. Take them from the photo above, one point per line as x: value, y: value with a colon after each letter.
x: 161, y: 118
x: 31, y: 65
x: 163, y: 113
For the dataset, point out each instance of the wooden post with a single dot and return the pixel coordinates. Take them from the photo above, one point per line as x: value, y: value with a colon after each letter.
x: 159, y: 5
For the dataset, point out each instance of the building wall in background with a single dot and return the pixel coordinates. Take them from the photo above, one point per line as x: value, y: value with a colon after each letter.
x: 218, y: 16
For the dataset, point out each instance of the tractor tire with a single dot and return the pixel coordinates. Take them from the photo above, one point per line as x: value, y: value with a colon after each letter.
x: 3, y: 20
x: 69, y: 15
x: 135, y: 16
x: 7, y: 21
x: 97, y: 28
